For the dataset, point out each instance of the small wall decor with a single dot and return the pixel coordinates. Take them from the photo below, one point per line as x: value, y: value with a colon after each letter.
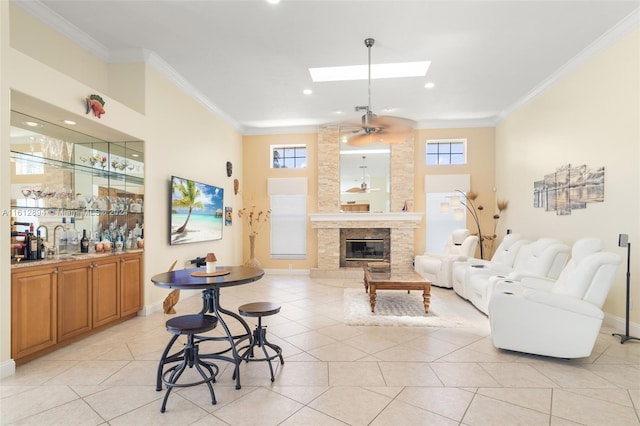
x: 228, y: 216
x: 95, y: 103
x: 569, y: 188
x: 229, y: 169
x: 236, y: 186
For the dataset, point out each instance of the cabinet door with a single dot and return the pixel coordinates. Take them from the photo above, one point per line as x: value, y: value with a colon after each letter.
x: 74, y: 300
x: 33, y: 310
x: 106, y: 300
x: 131, y: 284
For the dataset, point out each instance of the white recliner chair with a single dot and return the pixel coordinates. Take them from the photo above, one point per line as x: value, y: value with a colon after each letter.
x: 504, y: 256
x: 545, y: 257
x: 559, y: 319
x: 436, y: 267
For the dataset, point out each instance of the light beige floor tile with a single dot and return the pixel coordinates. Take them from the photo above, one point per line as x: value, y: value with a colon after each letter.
x: 88, y: 373
x: 400, y: 413
x: 355, y: 374
x: 572, y: 376
x: 302, y: 394
x: 535, y: 399
x: 310, y: 340
x: 491, y: 412
x: 337, y: 352
x: 351, y: 405
x: 463, y: 374
x: 115, y: 401
x: 408, y: 374
x: 310, y: 417
x: 262, y: 406
x: 448, y: 402
x: 114, y: 370
x: 35, y: 401
x: 72, y: 413
x: 591, y: 411
x: 518, y: 375
x: 179, y: 412
x: 304, y: 374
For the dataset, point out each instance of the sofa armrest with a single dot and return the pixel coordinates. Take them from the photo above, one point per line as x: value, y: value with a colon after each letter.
x: 538, y: 283
x: 563, y: 302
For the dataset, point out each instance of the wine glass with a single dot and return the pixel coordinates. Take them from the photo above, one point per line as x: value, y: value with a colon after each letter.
x: 70, y: 150
x: 26, y: 191
x: 37, y: 193
x: 89, y: 199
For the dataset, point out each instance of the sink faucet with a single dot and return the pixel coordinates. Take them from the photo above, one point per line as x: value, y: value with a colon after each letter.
x: 46, y: 231
x: 55, y: 240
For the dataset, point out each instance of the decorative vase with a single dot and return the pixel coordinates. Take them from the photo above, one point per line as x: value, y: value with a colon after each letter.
x: 253, y: 262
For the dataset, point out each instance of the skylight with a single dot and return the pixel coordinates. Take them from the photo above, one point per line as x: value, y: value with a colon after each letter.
x: 360, y: 72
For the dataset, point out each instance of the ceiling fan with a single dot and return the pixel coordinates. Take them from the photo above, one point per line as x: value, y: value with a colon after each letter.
x: 375, y: 128
x: 363, y: 186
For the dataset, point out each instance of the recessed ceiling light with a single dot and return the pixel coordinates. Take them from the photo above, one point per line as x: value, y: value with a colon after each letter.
x: 389, y: 109
x: 135, y: 155
x: 69, y: 122
x: 32, y: 124
x: 378, y: 71
x: 307, y: 91
x: 273, y: 1
x: 430, y: 85
x: 338, y: 112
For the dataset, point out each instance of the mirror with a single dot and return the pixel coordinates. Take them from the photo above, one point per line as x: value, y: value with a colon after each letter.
x: 59, y: 172
x: 364, y: 178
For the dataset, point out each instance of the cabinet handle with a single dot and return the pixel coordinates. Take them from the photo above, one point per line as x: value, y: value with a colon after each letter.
x: 55, y: 271
x: 121, y: 260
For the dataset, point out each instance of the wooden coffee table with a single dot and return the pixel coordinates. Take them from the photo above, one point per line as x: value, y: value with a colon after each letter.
x: 395, y: 279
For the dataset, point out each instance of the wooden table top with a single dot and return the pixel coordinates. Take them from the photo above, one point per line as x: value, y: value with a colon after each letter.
x: 183, y: 280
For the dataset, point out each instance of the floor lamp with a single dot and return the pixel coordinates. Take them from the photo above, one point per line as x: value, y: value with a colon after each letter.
x: 623, y: 240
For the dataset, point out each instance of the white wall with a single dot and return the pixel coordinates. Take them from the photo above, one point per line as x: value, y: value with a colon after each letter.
x: 591, y: 117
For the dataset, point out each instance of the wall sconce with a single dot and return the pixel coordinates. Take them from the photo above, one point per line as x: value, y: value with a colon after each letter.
x: 458, y: 206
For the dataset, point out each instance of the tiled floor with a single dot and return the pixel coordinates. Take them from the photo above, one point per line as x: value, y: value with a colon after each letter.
x: 333, y: 374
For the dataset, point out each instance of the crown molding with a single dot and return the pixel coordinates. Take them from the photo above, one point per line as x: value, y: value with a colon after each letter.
x: 37, y: 9
x: 621, y: 29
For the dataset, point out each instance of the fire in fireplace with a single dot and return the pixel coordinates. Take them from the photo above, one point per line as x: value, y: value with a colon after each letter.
x: 364, y: 249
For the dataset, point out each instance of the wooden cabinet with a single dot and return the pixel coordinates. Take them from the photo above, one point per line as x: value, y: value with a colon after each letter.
x: 106, y: 292
x: 130, y: 284
x: 58, y: 303
x: 74, y: 300
x: 33, y: 310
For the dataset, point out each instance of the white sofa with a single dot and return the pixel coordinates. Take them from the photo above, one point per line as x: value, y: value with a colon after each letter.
x: 559, y: 318
x: 545, y: 257
x: 505, y: 255
x: 436, y: 267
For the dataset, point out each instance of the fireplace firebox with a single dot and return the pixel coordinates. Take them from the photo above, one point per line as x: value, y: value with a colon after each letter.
x: 364, y: 249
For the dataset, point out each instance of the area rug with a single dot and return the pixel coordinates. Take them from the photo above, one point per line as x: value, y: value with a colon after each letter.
x: 395, y: 308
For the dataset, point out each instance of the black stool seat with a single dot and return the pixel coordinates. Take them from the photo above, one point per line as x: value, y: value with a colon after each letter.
x: 189, y: 326
x: 259, y: 338
x: 259, y: 309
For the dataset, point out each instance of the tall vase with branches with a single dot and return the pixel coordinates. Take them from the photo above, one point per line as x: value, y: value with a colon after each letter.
x: 255, y: 221
x: 485, y: 241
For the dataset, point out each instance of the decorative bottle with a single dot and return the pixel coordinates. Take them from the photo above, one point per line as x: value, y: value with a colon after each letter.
x: 84, y: 242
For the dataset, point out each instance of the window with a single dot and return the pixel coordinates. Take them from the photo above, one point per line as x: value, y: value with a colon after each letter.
x: 451, y: 151
x: 288, y: 156
x: 288, y: 217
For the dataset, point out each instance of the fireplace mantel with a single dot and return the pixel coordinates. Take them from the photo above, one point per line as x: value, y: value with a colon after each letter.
x: 379, y: 220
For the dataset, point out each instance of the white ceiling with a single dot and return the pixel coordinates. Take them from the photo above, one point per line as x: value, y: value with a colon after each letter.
x: 248, y: 60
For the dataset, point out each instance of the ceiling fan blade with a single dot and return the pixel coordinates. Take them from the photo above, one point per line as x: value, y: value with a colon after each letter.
x: 389, y: 121
x: 362, y: 139
x: 356, y: 189
x: 386, y: 136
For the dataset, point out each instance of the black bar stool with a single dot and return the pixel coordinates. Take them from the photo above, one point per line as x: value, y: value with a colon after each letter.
x: 259, y: 310
x: 187, y: 325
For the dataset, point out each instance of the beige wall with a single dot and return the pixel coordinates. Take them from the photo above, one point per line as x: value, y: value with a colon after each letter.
x: 253, y: 183
x: 181, y: 137
x: 591, y: 117
x: 480, y: 165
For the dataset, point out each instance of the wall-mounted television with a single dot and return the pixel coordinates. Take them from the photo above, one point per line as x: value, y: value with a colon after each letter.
x: 197, y: 211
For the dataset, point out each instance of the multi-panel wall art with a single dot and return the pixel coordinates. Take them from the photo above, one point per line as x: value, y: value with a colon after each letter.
x: 568, y: 188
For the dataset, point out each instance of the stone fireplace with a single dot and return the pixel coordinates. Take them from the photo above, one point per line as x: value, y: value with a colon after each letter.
x: 361, y: 245
x: 329, y: 222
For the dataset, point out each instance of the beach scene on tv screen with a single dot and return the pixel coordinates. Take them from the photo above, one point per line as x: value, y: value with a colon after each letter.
x: 197, y: 211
